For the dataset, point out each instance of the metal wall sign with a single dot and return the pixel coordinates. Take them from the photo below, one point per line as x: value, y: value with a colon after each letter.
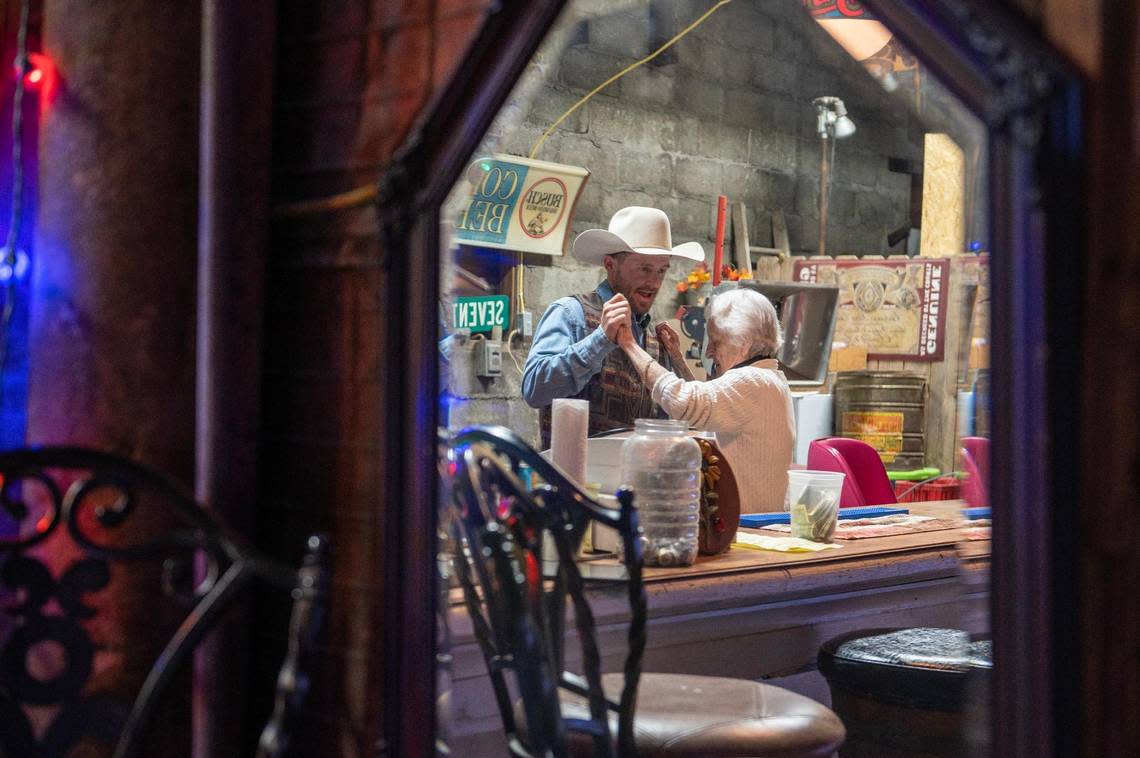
x: 481, y: 314
x: 519, y: 204
x: 895, y: 308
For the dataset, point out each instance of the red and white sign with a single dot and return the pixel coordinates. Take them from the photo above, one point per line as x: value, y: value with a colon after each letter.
x: 836, y: 9
x: 894, y: 308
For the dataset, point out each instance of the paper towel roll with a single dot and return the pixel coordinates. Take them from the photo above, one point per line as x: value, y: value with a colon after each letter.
x: 813, y: 420
x: 965, y: 414
x: 570, y: 423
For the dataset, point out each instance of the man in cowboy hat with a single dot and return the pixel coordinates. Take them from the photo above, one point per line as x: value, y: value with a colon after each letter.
x: 574, y: 353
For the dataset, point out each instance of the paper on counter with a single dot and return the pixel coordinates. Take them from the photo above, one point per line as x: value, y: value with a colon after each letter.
x: 880, y: 526
x: 780, y: 544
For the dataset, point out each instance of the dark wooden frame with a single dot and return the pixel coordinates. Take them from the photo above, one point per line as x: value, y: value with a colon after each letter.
x: 1001, y: 69
x: 411, y: 191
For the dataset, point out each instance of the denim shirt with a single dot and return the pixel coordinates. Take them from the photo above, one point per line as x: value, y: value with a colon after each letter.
x: 563, y: 356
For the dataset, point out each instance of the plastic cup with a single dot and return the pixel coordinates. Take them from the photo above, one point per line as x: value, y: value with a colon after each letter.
x: 813, y: 501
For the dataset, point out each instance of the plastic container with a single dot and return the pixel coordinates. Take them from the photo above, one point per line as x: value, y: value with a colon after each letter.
x: 603, y: 467
x: 942, y: 488
x: 662, y: 464
x: 603, y: 461
x: 813, y: 500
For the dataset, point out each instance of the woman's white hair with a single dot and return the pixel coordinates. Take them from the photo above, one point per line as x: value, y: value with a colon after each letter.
x: 748, y: 320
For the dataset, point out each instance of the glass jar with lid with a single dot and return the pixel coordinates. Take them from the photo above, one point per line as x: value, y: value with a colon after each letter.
x: 662, y: 464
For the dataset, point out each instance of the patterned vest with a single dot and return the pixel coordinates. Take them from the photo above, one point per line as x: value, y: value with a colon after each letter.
x: 616, y: 393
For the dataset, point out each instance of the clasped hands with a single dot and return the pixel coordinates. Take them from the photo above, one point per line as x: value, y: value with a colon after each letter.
x: 617, y: 323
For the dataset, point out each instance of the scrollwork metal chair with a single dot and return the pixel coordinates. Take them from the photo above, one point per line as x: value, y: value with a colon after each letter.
x: 74, y: 525
x: 498, y: 523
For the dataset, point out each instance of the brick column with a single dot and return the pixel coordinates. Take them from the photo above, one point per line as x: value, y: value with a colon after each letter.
x: 112, y: 323
x: 351, y: 78
x: 111, y: 362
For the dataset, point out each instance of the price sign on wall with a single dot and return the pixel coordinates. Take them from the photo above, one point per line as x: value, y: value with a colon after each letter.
x: 519, y: 204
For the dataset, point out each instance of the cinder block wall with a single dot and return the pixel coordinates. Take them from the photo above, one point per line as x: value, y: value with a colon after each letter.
x: 727, y: 110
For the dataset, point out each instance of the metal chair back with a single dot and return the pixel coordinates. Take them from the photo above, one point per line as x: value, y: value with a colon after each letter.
x: 504, y: 502
x: 73, y: 524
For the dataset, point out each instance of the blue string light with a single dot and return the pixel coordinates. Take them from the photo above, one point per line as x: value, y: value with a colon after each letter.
x: 13, y: 265
x: 14, y: 260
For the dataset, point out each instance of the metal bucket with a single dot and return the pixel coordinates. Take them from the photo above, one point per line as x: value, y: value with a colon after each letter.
x: 885, y: 409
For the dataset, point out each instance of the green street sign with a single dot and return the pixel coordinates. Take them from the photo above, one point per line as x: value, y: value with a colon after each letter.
x: 481, y: 314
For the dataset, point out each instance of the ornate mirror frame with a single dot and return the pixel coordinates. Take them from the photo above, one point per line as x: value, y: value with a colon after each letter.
x: 1003, y: 71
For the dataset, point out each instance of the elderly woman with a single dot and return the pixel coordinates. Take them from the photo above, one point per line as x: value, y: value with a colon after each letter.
x: 747, y: 404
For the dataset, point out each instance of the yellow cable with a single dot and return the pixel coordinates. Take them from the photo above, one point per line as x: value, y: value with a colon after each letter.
x: 624, y: 71
x: 596, y: 90
x: 510, y: 338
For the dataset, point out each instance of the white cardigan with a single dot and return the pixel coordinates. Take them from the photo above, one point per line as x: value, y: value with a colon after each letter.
x: 750, y: 409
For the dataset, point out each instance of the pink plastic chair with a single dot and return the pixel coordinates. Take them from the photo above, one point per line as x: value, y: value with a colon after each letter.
x: 823, y: 457
x: 869, y: 470
x: 976, y: 464
x: 863, y: 466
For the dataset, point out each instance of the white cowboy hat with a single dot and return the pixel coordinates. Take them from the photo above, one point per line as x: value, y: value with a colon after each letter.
x: 634, y: 230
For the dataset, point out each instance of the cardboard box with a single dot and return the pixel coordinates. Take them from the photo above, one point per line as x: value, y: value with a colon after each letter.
x: 852, y: 358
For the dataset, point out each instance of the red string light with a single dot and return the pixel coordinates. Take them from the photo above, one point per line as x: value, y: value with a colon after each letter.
x: 38, y: 71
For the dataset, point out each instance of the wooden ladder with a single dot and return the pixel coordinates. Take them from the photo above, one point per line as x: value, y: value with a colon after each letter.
x: 769, y: 260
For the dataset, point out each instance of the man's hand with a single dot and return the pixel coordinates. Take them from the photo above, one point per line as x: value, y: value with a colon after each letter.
x: 616, y: 313
x: 669, y: 339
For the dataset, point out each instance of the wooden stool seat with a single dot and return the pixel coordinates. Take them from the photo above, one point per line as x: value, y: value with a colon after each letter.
x: 717, y: 717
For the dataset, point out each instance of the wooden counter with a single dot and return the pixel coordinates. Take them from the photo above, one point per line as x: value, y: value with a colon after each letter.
x: 758, y: 614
